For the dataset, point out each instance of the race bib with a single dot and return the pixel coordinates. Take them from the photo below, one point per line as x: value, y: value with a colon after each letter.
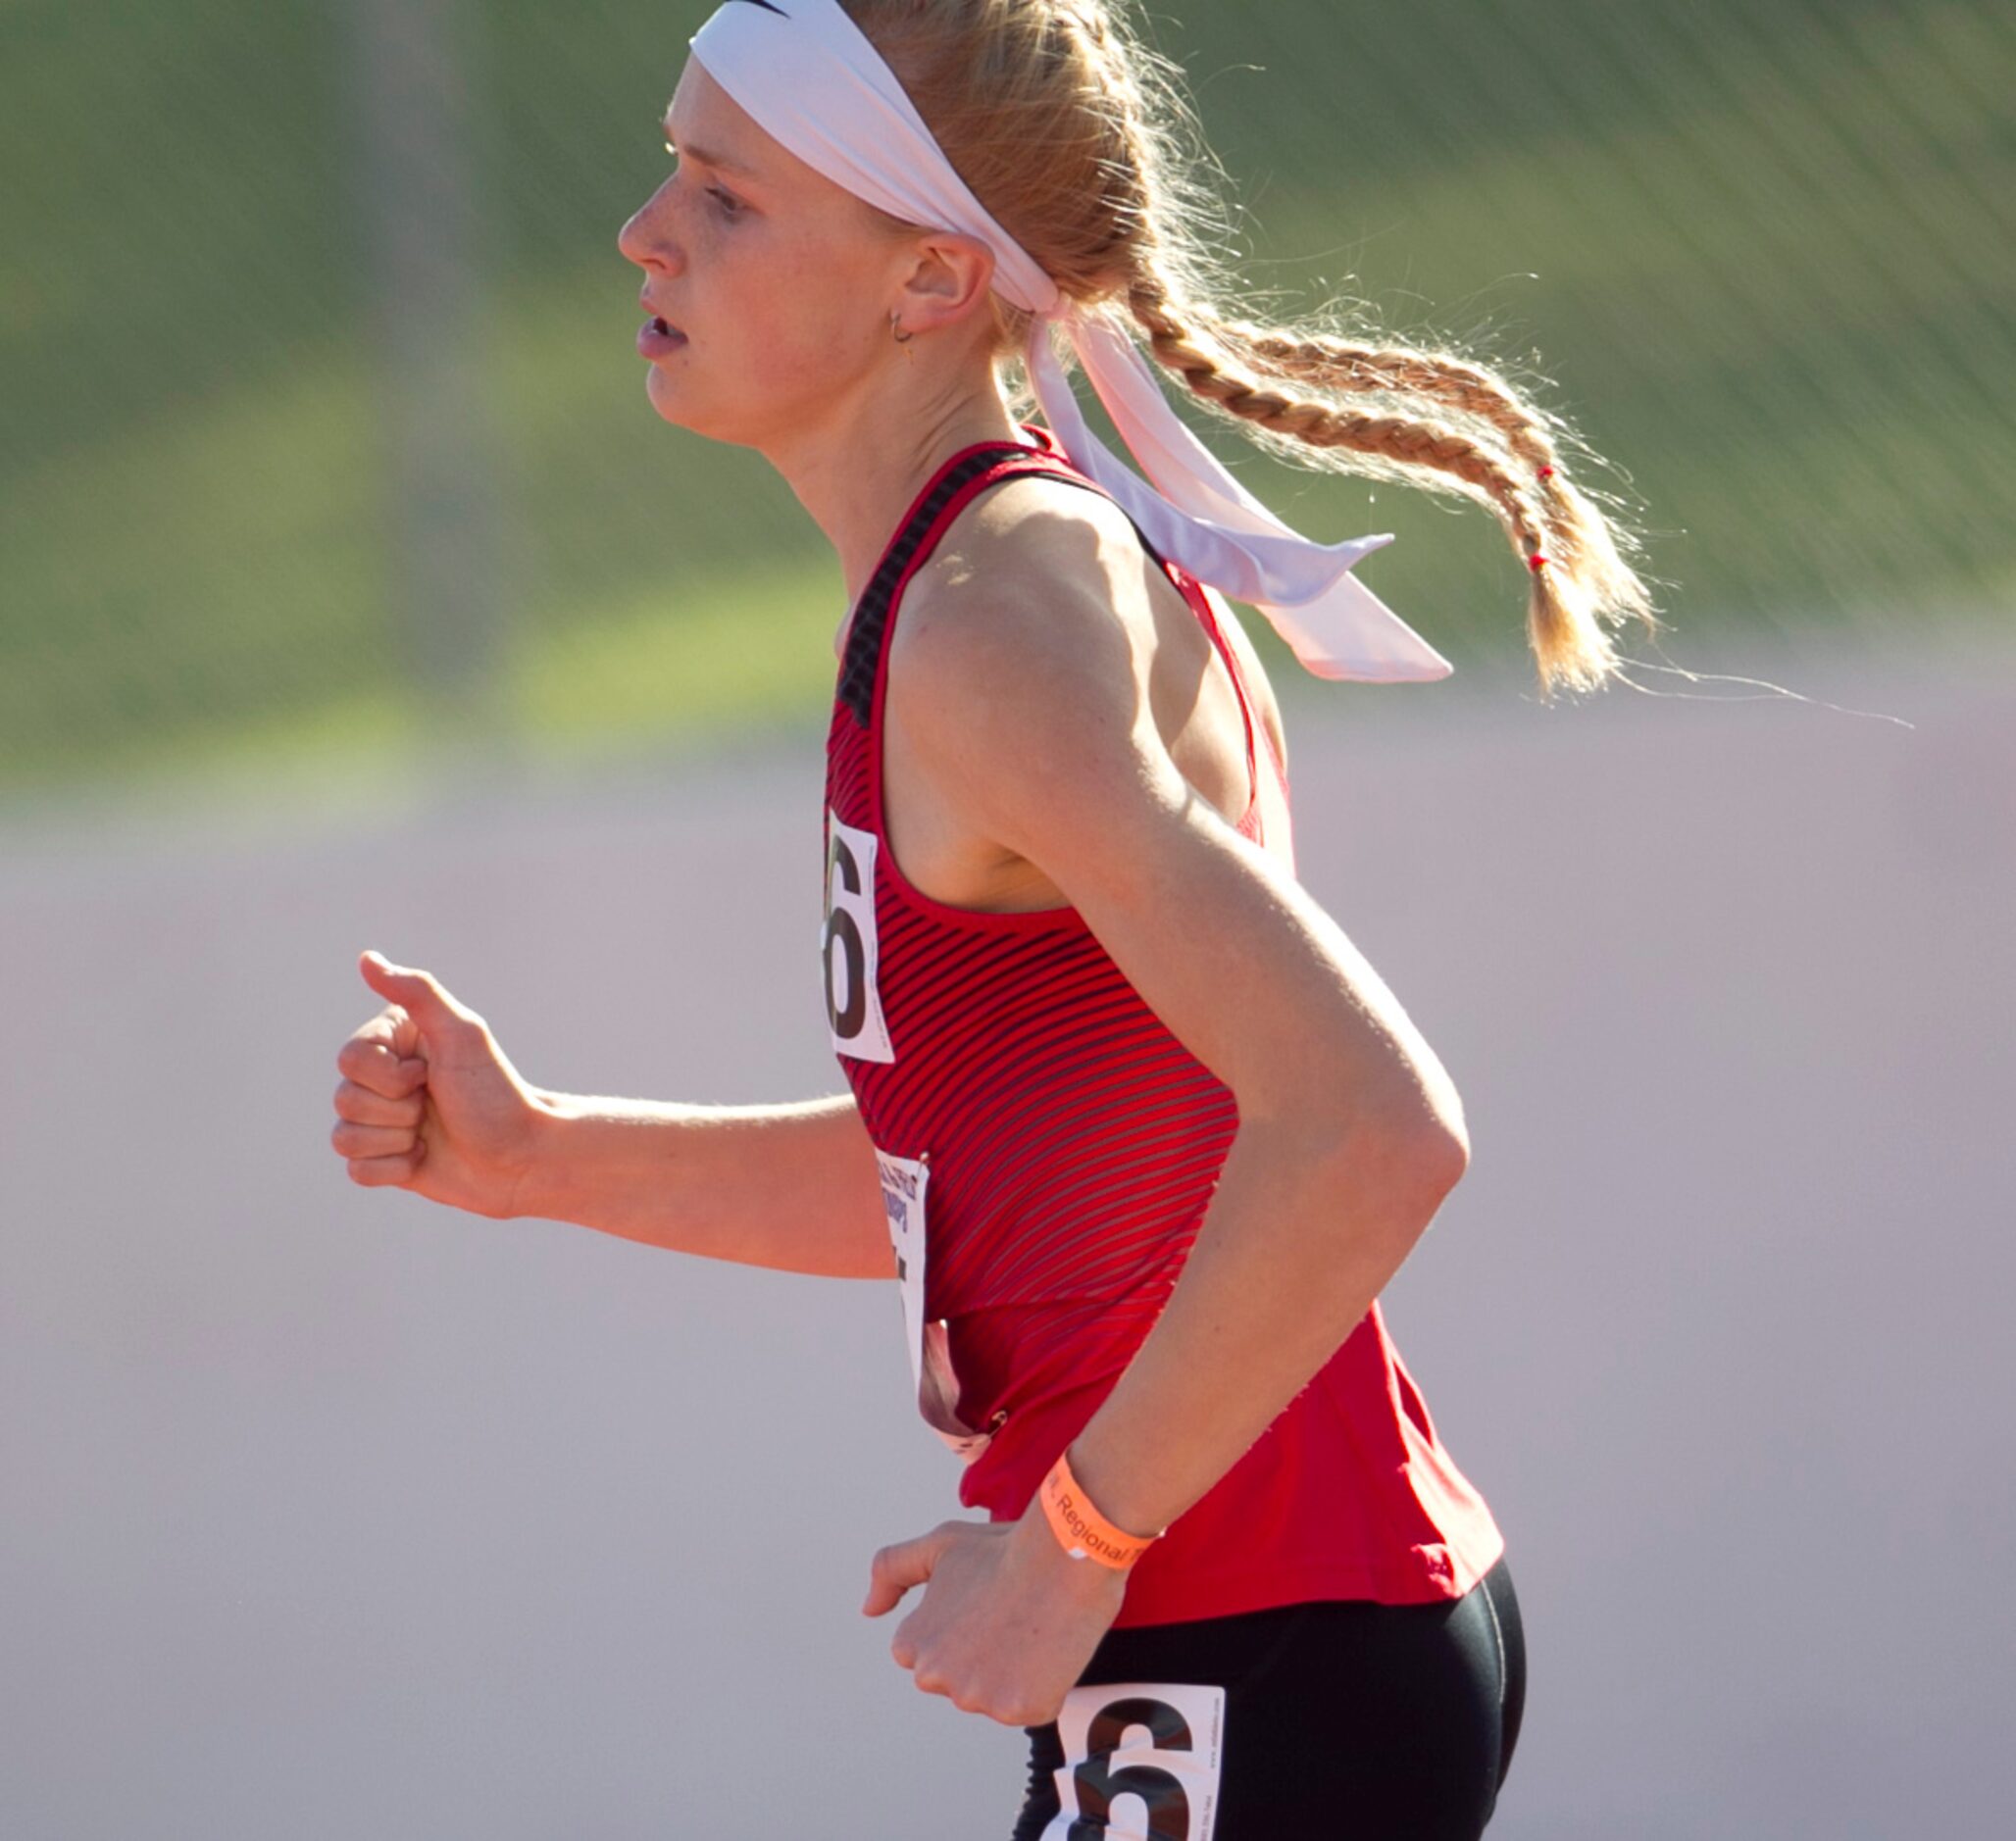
x: 847, y: 944
x: 904, y: 1181
x: 1141, y: 1762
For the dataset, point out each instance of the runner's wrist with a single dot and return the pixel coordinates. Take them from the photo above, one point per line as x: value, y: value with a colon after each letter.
x: 1057, y: 1572
x: 544, y: 1167
x: 1079, y: 1521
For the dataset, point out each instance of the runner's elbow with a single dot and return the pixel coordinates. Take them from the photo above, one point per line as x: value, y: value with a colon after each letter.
x: 1409, y: 1165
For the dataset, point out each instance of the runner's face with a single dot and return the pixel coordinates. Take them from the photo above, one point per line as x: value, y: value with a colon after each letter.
x: 775, y: 279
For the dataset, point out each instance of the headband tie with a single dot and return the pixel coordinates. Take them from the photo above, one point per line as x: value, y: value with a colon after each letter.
x: 804, y: 72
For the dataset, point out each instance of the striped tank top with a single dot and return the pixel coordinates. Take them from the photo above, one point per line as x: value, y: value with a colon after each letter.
x: 1047, y: 1149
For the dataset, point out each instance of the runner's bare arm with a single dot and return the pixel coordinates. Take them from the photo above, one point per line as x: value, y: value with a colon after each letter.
x: 789, y: 1187
x: 430, y: 1103
x: 1026, y: 705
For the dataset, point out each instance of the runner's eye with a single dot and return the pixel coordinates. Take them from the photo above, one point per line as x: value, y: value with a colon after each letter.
x: 730, y: 205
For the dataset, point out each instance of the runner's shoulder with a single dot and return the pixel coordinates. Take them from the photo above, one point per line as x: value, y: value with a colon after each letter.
x: 1019, y: 661
x: 1040, y: 561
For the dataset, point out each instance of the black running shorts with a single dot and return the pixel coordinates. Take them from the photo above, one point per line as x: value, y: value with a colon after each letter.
x: 1346, y: 1718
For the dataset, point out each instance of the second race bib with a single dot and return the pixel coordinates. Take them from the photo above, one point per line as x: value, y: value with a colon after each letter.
x: 1142, y: 1762
x: 904, y: 1181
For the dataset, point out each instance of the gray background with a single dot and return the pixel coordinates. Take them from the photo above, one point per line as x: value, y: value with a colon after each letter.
x: 330, y: 1513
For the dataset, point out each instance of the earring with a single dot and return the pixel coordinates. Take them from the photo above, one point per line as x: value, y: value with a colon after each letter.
x: 901, y: 338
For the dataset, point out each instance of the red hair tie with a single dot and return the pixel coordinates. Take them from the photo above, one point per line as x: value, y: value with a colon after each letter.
x: 1547, y: 472
x: 1535, y: 562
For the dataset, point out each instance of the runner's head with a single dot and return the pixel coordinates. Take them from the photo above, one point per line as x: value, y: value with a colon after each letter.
x: 792, y: 291
x: 784, y: 289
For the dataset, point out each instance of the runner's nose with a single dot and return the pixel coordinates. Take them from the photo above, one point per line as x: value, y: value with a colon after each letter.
x: 647, y: 239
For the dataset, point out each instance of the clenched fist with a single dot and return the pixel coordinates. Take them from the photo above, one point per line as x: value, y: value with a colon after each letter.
x: 429, y: 1102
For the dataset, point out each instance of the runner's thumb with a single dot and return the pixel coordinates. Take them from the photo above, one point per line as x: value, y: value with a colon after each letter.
x: 895, y: 1569
x: 417, y: 992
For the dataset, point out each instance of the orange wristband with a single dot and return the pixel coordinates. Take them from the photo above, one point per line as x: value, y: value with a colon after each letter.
x: 1080, y: 1529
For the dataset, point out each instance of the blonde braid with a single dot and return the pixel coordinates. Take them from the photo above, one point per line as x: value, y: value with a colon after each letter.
x: 1581, y: 537
x: 1572, y: 648
x: 1334, y: 364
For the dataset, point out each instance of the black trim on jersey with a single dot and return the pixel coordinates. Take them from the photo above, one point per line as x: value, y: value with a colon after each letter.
x: 872, y: 611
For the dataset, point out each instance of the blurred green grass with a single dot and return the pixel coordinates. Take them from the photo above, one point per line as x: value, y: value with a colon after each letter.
x: 1767, y: 258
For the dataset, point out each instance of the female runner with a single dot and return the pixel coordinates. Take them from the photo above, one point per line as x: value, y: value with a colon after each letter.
x: 1147, y: 1132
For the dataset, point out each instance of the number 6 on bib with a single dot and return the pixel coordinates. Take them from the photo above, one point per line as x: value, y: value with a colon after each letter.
x: 847, y: 943
x: 1141, y: 1762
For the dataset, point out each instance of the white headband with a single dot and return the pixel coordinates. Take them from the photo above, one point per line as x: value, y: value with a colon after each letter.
x: 810, y: 80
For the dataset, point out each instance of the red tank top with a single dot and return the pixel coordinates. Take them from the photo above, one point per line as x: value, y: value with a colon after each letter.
x: 1047, y: 1151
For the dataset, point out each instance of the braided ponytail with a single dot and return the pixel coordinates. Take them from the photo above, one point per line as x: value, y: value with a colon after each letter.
x: 1504, y: 460
x: 1580, y: 544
